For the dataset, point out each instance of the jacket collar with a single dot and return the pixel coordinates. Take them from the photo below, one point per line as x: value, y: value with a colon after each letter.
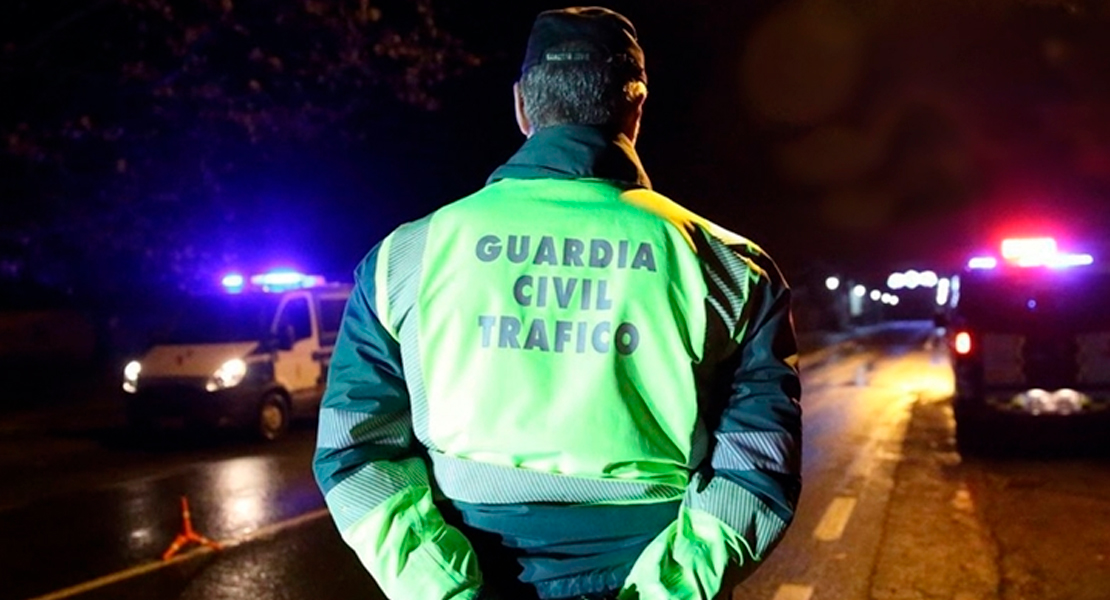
x: 575, y: 152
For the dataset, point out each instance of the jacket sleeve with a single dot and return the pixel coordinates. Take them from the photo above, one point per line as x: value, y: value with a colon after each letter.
x: 374, y: 481
x: 739, y: 503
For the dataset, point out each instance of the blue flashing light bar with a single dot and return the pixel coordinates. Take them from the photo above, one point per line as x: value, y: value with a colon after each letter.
x: 233, y: 282
x: 982, y: 262
x: 280, y: 281
x: 1070, y: 260
x: 278, y: 278
x: 1032, y: 252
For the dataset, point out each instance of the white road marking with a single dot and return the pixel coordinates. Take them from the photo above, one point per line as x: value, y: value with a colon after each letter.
x: 835, y: 520
x: 142, y: 569
x: 792, y: 591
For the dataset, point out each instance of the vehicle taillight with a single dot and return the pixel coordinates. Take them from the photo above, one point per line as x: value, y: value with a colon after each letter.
x: 963, y: 343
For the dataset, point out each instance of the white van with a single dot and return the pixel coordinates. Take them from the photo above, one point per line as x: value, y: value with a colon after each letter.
x: 256, y: 358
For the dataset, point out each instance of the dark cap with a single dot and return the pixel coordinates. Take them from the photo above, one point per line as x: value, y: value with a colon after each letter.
x: 598, y: 34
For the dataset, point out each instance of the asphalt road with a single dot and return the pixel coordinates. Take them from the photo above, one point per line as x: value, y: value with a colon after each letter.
x: 889, y: 509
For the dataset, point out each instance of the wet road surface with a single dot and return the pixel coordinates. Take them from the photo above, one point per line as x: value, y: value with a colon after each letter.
x: 889, y: 509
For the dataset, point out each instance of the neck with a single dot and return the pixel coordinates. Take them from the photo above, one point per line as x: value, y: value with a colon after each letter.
x: 576, y: 152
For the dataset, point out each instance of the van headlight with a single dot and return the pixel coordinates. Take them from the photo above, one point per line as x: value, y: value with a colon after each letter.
x: 131, y: 376
x: 230, y: 374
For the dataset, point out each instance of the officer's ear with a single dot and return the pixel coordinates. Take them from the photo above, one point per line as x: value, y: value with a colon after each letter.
x: 636, y: 94
x: 521, y: 118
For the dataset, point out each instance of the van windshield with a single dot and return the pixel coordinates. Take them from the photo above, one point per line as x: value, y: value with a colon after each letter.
x: 218, y: 319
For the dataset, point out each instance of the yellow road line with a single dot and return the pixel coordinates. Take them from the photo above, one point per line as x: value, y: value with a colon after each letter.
x: 835, y: 520
x: 145, y: 568
x: 791, y: 591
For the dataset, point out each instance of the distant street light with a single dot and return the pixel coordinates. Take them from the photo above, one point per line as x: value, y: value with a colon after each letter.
x: 944, y: 287
x: 859, y: 291
x: 832, y: 283
x: 896, y: 281
x: 913, y: 279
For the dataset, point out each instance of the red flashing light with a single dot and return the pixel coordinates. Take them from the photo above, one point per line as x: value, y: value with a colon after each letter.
x: 963, y: 343
x: 1022, y: 249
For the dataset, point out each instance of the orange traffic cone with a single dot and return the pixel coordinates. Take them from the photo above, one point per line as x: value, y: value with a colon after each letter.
x: 188, y: 534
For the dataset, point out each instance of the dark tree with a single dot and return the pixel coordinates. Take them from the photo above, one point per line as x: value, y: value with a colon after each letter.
x: 132, y: 124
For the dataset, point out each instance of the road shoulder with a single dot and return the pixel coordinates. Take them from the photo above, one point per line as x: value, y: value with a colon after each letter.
x: 943, y: 551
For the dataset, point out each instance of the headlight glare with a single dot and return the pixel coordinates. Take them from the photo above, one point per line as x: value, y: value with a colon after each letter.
x: 230, y: 374
x: 131, y: 376
x: 132, y: 370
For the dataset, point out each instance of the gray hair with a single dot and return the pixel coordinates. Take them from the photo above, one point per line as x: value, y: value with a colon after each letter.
x: 579, y: 92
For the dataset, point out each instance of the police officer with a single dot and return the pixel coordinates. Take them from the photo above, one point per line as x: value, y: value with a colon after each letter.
x: 564, y: 385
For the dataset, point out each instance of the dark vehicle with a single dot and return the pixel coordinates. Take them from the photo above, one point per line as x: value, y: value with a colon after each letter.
x: 255, y: 358
x: 1030, y: 339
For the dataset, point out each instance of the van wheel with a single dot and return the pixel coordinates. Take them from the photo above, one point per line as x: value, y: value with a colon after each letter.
x: 273, y: 416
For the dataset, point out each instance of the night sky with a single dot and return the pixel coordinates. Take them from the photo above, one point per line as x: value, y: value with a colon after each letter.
x: 840, y: 135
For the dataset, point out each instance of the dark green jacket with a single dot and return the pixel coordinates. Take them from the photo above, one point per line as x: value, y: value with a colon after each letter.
x: 563, y: 384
